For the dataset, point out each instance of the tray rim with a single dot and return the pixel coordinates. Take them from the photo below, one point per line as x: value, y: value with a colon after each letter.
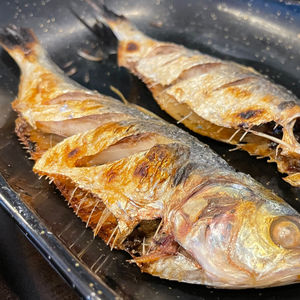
x: 87, y: 284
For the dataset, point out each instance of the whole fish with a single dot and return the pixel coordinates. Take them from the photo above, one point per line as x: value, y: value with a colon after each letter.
x: 146, y: 186
x: 219, y: 99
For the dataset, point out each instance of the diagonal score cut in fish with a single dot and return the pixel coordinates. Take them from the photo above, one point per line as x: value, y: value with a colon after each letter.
x: 219, y: 99
x: 148, y: 187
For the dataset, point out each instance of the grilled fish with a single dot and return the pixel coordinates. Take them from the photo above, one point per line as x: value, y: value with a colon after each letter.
x: 146, y: 186
x: 219, y: 99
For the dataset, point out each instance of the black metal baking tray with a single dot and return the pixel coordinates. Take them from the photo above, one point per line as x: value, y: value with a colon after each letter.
x: 261, y: 34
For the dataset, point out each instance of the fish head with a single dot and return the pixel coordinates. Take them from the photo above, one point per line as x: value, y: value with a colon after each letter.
x: 240, y: 234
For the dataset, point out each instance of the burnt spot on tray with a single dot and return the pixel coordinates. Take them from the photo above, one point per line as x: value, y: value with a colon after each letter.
x: 250, y: 114
x: 73, y: 152
x: 131, y: 47
x: 286, y: 104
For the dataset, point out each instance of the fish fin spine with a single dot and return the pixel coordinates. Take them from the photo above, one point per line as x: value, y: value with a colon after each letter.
x: 13, y: 38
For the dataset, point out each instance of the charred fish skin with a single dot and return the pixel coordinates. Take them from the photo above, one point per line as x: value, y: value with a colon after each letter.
x: 216, y: 98
x: 149, y: 188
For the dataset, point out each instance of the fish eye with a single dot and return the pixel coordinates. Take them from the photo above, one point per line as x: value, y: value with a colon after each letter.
x: 285, y: 232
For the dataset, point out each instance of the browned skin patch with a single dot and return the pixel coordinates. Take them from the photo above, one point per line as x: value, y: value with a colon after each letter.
x: 179, y: 92
x: 250, y: 113
x: 238, y: 92
x: 286, y: 104
x: 141, y: 169
x: 73, y: 152
x: 267, y: 98
x: 236, y: 82
x: 158, y: 153
x: 111, y: 174
x: 131, y: 47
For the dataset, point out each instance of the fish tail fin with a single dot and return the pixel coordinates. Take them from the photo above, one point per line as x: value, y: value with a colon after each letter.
x: 104, y: 14
x: 41, y: 78
x: 19, y: 42
x: 122, y: 28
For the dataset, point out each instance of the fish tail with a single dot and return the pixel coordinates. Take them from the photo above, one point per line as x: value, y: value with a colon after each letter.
x: 19, y: 42
x: 104, y: 14
x: 122, y: 28
x: 40, y: 75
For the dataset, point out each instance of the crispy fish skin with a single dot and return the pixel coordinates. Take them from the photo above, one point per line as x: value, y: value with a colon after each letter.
x: 149, y: 188
x: 216, y: 98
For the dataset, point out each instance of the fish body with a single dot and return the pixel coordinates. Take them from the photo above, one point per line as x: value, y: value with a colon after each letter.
x: 146, y: 186
x: 220, y: 99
